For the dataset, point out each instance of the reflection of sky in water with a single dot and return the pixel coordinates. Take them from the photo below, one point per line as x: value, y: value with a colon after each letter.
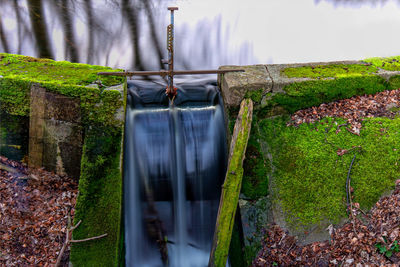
x: 282, y: 31
x: 211, y: 33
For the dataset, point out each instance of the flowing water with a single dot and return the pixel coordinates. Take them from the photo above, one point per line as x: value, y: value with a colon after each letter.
x: 175, y: 162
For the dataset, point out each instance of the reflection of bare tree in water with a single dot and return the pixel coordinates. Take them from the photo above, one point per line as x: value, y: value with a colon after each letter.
x: 3, y: 38
x: 103, y: 32
x: 38, y: 23
x: 70, y: 45
x: 90, y: 24
x: 130, y: 14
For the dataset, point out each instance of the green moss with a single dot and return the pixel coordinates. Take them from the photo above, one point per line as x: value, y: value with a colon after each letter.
x: 310, y: 177
x: 70, y: 79
x: 394, y: 82
x: 250, y: 252
x: 14, y: 96
x: 256, y: 167
x: 312, y: 93
x: 386, y: 63
x: 100, y: 185
x: 99, y: 199
x: 255, y: 95
x: 231, y: 190
x: 329, y: 71
x: 46, y: 70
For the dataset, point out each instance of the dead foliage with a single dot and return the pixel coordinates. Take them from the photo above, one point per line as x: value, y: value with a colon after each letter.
x: 34, y: 206
x: 354, y: 110
x: 371, y: 239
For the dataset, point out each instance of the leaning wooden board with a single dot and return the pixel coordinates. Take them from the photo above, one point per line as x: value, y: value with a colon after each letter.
x: 231, y: 187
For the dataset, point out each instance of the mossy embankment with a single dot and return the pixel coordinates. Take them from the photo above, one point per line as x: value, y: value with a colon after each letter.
x: 17, y: 73
x: 310, y: 176
x: 101, y: 108
x: 100, y: 198
x: 298, y: 169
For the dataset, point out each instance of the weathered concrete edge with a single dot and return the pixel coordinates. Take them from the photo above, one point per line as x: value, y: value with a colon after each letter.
x: 235, y: 86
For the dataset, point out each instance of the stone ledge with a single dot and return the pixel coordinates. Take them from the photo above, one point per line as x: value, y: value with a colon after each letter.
x: 235, y: 85
x: 268, y: 78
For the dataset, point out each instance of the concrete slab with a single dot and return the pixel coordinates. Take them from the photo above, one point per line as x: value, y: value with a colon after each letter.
x: 235, y: 85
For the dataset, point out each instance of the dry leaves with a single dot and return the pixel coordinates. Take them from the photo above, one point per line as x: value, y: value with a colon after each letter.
x: 33, y: 214
x: 347, y: 247
x: 354, y: 110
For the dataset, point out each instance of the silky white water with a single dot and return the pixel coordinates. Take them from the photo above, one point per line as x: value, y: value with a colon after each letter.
x: 175, y: 160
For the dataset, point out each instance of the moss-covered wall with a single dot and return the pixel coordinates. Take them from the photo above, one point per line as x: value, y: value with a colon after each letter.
x: 297, y: 168
x: 99, y: 200
x: 102, y: 110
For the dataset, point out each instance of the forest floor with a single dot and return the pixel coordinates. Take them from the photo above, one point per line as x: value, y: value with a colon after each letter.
x: 370, y: 239
x: 367, y: 239
x: 34, y: 209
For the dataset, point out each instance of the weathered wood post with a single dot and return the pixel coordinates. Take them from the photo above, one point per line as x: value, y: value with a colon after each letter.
x: 231, y: 187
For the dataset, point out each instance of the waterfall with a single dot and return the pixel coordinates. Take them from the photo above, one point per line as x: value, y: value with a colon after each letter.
x: 174, y: 163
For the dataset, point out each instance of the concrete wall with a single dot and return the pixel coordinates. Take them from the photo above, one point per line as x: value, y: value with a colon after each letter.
x: 55, y: 132
x: 276, y: 94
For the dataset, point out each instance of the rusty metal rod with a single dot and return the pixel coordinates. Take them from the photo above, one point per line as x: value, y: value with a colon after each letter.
x: 166, y: 72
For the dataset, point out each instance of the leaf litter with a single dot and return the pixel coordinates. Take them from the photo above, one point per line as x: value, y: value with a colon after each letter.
x: 34, y: 208
x: 373, y: 241
x: 354, y: 110
x: 368, y: 239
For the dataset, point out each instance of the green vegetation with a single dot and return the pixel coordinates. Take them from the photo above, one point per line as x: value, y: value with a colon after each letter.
x: 330, y: 71
x: 333, y: 82
x: 312, y: 93
x: 388, y: 252
x: 17, y: 73
x: 57, y: 72
x: 386, y: 63
x: 100, y: 185
x: 310, y: 176
x: 231, y: 189
x: 255, y: 95
x: 99, y: 200
x: 256, y: 166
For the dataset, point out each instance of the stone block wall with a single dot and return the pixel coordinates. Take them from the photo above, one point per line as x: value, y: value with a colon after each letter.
x: 75, y: 119
x: 55, y: 132
x: 278, y: 90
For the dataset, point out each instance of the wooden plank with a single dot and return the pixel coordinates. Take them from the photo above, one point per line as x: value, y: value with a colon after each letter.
x: 231, y: 187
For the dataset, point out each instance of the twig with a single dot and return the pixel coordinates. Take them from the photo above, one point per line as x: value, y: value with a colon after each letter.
x: 291, y: 246
x: 68, y: 239
x: 12, y: 170
x: 87, y: 239
x: 363, y: 212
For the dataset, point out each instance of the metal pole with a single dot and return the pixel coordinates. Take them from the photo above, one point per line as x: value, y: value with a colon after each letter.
x: 164, y: 73
x: 171, y: 92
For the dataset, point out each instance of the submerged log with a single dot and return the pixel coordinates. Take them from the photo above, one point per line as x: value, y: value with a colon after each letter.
x: 231, y: 187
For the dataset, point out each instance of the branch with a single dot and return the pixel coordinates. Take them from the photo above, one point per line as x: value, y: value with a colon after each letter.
x: 87, y: 239
x: 68, y: 239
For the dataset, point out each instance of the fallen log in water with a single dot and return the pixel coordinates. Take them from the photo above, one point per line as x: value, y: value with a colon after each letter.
x: 231, y: 187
